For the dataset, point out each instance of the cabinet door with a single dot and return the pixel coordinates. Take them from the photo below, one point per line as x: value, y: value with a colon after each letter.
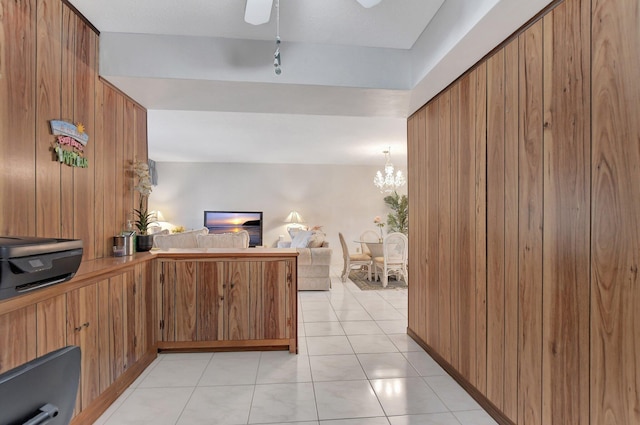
x: 239, y: 278
x: 272, y: 320
x: 211, y: 300
x: 144, y: 310
x: 179, y: 301
x: 17, y: 337
x: 52, y: 324
x: 82, y: 330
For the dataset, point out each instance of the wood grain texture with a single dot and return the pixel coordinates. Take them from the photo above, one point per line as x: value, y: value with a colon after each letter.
x: 267, y: 320
x: 239, y: 278
x: 432, y: 181
x: 615, y: 228
x: 567, y: 180
x: 51, y: 317
x: 104, y: 335
x: 211, y: 301
x: 17, y: 117
x: 444, y: 225
x: 185, y: 301
x: 167, y: 308
x: 132, y: 325
x: 453, y: 283
x: 413, y: 191
x: 82, y: 330
x: 117, y: 325
x: 85, y: 73
x: 66, y: 110
x: 101, y: 241
x: 481, y: 227
x: 109, y: 137
x: 17, y: 331
x: 466, y: 228
x: 530, y: 228
x: 48, y: 98
x: 495, y: 228
x: 511, y: 134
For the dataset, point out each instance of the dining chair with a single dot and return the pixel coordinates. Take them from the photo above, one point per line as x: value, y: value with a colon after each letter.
x: 395, y: 247
x: 353, y: 260
x: 368, y: 236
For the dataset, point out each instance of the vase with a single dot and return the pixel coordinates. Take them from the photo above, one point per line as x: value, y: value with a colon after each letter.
x: 144, y: 243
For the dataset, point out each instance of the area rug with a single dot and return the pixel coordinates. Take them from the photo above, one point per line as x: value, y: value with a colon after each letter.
x: 360, y: 278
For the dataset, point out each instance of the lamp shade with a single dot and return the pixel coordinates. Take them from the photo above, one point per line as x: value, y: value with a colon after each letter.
x: 294, y: 217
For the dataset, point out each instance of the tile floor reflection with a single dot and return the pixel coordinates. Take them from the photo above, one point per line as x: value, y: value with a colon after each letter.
x: 356, y: 366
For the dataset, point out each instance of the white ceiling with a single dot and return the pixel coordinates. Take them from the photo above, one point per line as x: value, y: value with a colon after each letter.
x: 351, y: 76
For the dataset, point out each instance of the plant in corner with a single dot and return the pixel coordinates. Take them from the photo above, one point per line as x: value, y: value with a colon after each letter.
x: 142, y: 214
x: 398, y: 220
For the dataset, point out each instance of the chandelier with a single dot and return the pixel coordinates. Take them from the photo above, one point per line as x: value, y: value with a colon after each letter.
x: 390, y: 181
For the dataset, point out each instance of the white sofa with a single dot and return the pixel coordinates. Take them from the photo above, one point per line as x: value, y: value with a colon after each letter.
x: 314, y: 262
x: 201, y: 238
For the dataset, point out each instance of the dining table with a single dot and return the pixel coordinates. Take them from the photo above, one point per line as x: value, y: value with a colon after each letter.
x: 375, y: 247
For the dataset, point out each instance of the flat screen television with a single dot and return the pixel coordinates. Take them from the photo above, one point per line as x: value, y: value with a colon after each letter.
x: 234, y: 221
x: 42, y: 390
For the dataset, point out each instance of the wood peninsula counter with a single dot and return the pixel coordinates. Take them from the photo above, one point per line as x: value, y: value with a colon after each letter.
x: 226, y: 299
x: 121, y: 310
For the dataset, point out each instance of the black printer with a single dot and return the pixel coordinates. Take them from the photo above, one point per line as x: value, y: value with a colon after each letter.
x: 28, y: 263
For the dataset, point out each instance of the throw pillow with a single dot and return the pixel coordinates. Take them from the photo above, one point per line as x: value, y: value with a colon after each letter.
x: 317, y: 239
x: 301, y: 239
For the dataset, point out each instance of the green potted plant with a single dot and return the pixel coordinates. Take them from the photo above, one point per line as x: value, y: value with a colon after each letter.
x: 143, y: 218
x: 398, y: 220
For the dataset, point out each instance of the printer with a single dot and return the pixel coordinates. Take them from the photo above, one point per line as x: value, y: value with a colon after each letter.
x: 28, y: 263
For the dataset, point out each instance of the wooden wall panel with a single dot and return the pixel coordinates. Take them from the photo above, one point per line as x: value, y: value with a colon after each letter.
x: 444, y: 226
x: 481, y: 227
x: 511, y: 305
x: 466, y: 230
x: 495, y: 227
x: 101, y: 240
x: 17, y: 117
x: 85, y: 72
x: 452, y: 145
x: 422, y: 228
x: 615, y: 224
x: 49, y: 70
x: 109, y: 137
x: 413, y: 191
x: 530, y: 228
x: 69, y: 22
x: 566, y: 274
x: 48, y: 98
x: 432, y: 179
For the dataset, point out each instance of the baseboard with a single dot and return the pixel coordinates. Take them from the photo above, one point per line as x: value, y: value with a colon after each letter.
x: 483, y: 401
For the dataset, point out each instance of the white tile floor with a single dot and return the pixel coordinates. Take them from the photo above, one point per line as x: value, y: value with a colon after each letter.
x: 356, y: 366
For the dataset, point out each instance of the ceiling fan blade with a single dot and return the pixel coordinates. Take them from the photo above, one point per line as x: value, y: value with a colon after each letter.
x: 368, y: 3
x: 258, y: 12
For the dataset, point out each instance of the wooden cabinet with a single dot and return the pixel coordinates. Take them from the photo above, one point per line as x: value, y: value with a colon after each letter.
x: 228, y: 303
x: 82, y: 330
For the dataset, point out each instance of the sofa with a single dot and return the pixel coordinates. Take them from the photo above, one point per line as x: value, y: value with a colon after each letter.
x: 314, y: 260
x: 201, y: 238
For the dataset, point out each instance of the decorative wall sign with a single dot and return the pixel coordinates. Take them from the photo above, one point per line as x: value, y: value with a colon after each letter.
x: 70, y: 142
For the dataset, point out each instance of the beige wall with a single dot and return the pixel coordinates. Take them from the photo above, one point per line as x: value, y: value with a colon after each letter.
x: 342, y: 198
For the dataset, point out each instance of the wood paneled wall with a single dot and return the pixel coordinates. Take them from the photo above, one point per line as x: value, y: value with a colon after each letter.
x: 525, y: 232
x: 49, y: 70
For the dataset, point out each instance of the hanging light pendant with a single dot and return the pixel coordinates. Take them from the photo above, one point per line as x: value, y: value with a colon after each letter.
x: 276, y: 54
x: 391, y: 179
